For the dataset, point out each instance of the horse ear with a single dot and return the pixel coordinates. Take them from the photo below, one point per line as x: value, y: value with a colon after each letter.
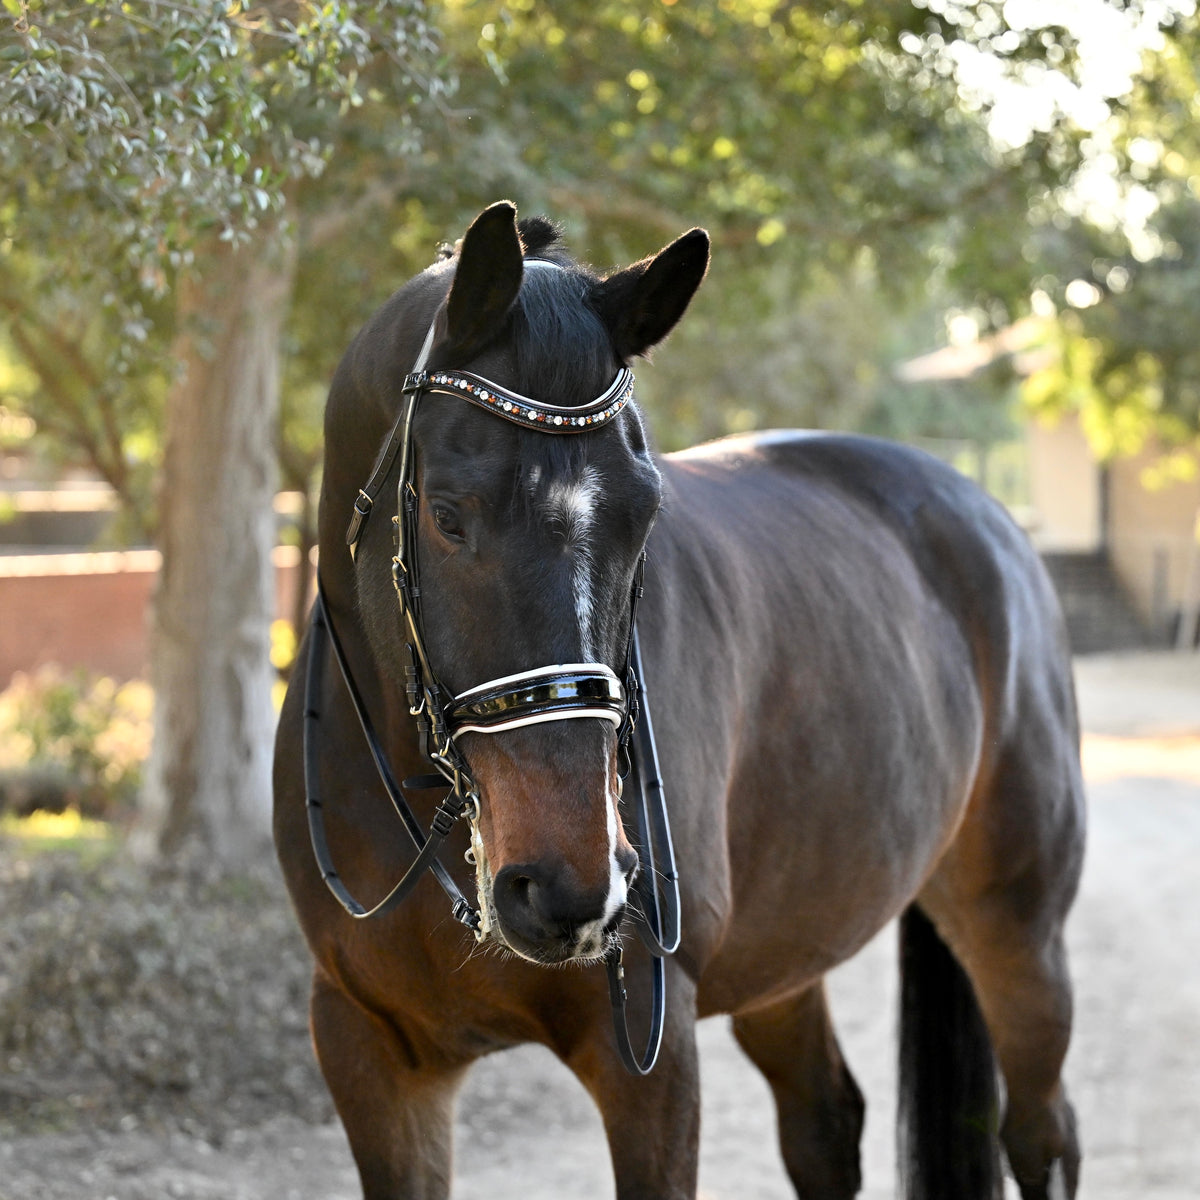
x: 486, y: 280
x: 641, y: 304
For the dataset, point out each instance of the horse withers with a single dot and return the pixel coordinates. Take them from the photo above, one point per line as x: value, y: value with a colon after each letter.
x: 863, y: 704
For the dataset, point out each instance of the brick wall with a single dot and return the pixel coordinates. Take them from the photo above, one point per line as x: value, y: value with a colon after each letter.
x: 90, y: 610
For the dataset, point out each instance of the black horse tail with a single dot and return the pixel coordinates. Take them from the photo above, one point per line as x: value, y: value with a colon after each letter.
x: 949, y: 1102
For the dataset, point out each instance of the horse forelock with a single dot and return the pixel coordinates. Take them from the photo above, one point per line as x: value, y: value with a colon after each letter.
x: 578, y: 490
x: 561, y: 351
x: 539, y: 234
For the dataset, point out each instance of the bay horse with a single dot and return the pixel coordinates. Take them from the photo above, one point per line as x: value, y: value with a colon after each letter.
x: 864, y: 708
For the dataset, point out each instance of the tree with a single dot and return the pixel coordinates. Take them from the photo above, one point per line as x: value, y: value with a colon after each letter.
x: 845, y: 170
x: 174, y: 140
x: 1123, y: 273
x: 827, y: 146
x: 88, y: 407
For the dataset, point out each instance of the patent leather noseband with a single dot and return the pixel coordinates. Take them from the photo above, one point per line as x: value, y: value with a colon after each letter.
x: 546, y: 694
x: 550, y: 693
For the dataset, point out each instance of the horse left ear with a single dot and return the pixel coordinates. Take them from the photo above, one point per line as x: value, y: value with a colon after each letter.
x: 486, y: 280
x: 641, y: 304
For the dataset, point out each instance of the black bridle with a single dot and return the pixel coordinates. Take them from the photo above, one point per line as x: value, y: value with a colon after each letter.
x: 551, y: 693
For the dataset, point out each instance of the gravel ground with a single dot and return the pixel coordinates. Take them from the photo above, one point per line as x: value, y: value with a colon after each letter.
x: 527, y: 1129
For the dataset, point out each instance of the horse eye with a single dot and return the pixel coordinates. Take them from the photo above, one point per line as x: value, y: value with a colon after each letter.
x: 446, y: 519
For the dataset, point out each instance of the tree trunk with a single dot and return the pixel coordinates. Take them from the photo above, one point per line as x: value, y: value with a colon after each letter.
x: 208, y: 778
x: 306, y: 530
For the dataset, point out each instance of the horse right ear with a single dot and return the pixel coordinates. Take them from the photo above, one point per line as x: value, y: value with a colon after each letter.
x: 486, y: 280
x: 642, y: 304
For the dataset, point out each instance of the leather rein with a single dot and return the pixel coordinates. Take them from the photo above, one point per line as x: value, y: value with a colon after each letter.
x: 550, y: 693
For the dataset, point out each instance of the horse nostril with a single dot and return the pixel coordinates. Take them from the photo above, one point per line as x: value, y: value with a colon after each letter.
x: 629, y: 864
x: 517, y: 894
x: 538, y: 907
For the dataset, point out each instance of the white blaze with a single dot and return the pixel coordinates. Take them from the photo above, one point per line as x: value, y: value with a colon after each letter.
x: 589, y: 941
x: 618, y: 886
x: 574, y: 503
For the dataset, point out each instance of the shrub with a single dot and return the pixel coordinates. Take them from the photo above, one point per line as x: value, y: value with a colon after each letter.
x: 73, y: 740
x: 151, y: 995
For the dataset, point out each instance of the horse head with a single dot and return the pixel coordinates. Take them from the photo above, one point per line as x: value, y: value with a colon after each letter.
x: 526, y: 544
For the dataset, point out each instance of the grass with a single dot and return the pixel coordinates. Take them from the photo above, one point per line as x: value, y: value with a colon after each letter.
x: 91, y: 840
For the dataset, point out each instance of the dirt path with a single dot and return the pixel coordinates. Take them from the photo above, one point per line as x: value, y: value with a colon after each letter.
x: 528, y: 1130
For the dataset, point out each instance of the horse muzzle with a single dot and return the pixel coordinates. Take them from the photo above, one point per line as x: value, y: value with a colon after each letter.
x: 540, y: 914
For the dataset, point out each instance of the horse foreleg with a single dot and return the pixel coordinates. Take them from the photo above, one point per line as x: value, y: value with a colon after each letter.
x: 397, y: 1112
x: 819, y: 1104
x: 652, y: 1122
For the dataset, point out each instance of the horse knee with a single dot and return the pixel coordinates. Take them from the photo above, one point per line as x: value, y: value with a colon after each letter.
x: 819, y: 1138
x: 652, y: 1122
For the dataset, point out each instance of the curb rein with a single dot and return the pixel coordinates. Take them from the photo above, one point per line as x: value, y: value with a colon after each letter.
x: 544, y: 694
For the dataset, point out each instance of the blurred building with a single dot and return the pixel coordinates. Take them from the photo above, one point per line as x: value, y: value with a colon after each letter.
x: 1124, y: 553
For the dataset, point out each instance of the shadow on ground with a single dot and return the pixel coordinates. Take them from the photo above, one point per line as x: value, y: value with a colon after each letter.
x: 152, y: 1050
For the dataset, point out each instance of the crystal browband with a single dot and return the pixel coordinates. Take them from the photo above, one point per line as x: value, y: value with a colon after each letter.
x: 521, y: 410
x: 558, y: 693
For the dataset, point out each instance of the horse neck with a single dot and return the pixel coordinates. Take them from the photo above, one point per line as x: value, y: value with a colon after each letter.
x: 364, y: 400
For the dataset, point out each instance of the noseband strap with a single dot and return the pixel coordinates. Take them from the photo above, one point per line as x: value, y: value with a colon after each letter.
x: 546, y: 694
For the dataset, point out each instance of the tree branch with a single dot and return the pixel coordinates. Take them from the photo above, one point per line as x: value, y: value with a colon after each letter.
x: 105, y: 454
x: 331, y: 223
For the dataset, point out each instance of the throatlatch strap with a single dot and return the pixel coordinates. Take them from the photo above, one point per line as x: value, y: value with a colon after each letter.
x: 387, y: 455
x: 365, y: 500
